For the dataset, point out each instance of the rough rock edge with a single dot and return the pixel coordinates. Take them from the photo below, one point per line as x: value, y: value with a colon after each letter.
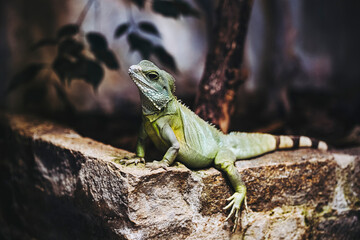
x: 309, y: 182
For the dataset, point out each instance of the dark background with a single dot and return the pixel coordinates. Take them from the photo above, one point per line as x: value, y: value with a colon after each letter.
x: 301, y: 60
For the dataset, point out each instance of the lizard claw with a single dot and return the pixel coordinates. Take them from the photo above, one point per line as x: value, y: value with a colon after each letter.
x: 156, y: 165
x: 235, y: 203
x: 136, y: 161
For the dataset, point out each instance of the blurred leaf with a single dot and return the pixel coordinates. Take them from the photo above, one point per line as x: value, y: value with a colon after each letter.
x: 70, y: 46
x: 26, y: 75
x: 186, y: 9
x: 165, y: 58
x: 138, y: 43
x: 166, y: 8
x: 99, y: 47
x: 83, y: 68
x: 121, y: 29
x: 97, y: 41
x: 149, y: 28
x: 139, y: 3
x: 68, y: 31
x: 174, y: 8
x: 108, y: 58
x: 89, y: 70
x: 63, y: 67
x: 43, y: 43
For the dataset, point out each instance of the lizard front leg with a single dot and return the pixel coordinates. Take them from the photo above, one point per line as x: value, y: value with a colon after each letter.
x: 224, y: 161
x: 168, y: 135
x: 140, y: 149
x: 140, y: 144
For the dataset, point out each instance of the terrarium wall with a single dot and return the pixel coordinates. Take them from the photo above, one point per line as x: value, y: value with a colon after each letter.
x: 301, y: 59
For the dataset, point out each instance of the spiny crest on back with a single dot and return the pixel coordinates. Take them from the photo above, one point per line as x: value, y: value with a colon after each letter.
x: 194, y: 115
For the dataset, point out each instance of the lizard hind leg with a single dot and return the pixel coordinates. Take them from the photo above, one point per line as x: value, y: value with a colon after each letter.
x: 224, y: 161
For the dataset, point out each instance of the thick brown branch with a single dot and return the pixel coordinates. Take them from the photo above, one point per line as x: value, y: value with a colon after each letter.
x: 222, y: 74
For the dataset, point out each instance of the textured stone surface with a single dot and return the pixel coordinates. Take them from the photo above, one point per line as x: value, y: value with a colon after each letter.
x: 279, y: 223
x: 56, y: 184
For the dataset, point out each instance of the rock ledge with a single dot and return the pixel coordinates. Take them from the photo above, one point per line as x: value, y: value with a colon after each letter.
x: 59, y: 185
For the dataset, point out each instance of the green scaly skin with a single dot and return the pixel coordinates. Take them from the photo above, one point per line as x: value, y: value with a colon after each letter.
x: 185, y: 137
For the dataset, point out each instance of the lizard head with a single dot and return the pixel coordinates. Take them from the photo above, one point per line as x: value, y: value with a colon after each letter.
x: 156, y: 86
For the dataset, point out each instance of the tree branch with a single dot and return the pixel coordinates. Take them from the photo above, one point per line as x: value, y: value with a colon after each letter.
x: 223, y: 75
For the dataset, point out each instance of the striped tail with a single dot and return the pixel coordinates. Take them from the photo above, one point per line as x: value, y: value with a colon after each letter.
x: 247, y: 145
x: 286, y: 142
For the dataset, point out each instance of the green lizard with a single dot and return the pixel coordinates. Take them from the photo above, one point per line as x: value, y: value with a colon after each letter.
x: 182, y: 135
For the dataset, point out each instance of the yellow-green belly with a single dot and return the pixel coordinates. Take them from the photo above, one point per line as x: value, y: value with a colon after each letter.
x: 193, y: 159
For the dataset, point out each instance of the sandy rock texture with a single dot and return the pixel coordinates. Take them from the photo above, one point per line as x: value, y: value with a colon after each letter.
x: 56, y: 184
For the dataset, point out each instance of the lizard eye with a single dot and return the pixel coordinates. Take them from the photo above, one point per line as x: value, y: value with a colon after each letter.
x: 153, y: 75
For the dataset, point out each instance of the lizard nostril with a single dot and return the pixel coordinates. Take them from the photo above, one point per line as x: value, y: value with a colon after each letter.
x: 135, y: 68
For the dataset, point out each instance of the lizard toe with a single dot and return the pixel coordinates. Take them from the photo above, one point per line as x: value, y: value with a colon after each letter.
x: 235, y: 203
x: 156, y: 165
x: 127, y: 162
